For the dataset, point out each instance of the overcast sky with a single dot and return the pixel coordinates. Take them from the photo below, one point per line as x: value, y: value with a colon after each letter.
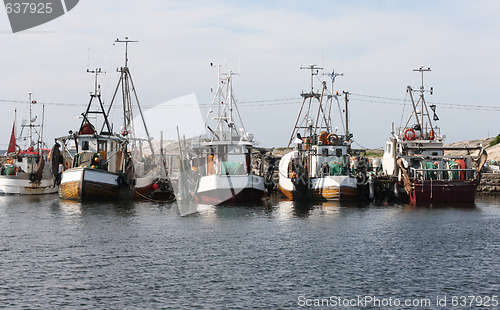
x: 376, y: 44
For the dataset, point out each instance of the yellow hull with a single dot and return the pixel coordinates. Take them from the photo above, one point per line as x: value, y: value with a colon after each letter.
x: 328, y: 193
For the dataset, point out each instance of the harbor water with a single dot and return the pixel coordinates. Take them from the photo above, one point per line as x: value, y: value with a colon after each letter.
x: 64, y: 255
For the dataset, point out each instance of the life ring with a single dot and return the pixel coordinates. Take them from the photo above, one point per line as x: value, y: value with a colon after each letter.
x: 10, y: 161
x: 332, y: 137
x: 412, y: 137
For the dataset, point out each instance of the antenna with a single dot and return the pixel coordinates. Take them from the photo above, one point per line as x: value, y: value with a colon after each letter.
x: 312, y: 67
x: 97, y: 87
x: 126, y: 41
x: 423, y: 69
x: 322, y: 58
x: 333, y: 75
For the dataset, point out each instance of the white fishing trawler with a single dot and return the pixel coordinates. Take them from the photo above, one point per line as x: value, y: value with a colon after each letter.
x: 425, y: 169
x: 227, y: 154
x: 319, y: 167
x: 105, y: 165
x: 27, y: 170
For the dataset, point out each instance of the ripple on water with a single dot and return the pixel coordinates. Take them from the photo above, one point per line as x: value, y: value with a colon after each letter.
x: 70, y: 255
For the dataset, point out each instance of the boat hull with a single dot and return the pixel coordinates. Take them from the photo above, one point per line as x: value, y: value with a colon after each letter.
x: 426, y: 192
x: 94, y: 184
x: 21, y: 185
x: 322, y: 189
x: 329, y: 187
x: 234, y: 189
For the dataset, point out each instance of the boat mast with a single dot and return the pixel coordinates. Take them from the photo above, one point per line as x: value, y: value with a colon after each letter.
x: 424, y: 112
x: 126, y: 82
x: 226, y: 106
x: 346, y: 93
x: 307, y: 97
x: 30, y: 133
x: 96, y: 94
x: 40, y: 140
x: 31, y: 125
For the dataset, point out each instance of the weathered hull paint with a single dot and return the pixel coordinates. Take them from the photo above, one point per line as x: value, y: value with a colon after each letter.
x: 93, y: 184
x: 322, y: 194
x: 428, y: 191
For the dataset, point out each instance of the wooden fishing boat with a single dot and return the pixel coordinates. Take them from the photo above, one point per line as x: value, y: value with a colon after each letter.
x: 103, y: 165
x: 319, y: 166
x: 28, y: 170
x: 226, y: 157
x: 426, y: 170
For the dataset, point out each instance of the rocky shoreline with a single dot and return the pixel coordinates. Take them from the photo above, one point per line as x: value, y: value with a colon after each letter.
x: 490, y: 184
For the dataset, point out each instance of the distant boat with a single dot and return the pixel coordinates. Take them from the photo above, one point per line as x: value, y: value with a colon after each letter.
x: 425, y: 170
x: 105, y: 165
x: 226, y: 156
x: 28, y: 171
x: 319, y: 167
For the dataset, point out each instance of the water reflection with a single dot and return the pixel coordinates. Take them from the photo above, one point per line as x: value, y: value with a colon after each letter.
x: 307, y: 209
x: 125, y: 208
x: 466, y: 206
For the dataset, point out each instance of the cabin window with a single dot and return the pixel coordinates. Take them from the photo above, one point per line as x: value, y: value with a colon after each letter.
x: 325, y: 152
x: 338, y: 152
x: 388, y: 148
x: 236, y: 149
x: 222, y: 149
x: 85, y: 145
x: 102, y: 146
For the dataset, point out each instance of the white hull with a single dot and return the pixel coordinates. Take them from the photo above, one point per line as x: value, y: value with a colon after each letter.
x: 23, y: 186
x: 215, y: 189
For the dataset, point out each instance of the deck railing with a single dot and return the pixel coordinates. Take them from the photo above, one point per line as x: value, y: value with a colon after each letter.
x: 442, y: 174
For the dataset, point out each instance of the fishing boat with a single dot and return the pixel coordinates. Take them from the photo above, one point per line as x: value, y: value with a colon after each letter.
x: 319, y: 166
x: 101, y: 164
x: 227, y: 154
x: 28, y: 171
x: 426, y: 170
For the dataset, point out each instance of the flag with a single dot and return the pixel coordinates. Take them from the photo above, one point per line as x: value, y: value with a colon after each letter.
x: 12, y: 143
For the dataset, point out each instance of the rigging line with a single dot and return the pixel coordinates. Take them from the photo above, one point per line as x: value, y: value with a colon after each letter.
x: 340, y: 112
x: 442, y: 103
x: 445, y: 105
x: 354, y: 141
x: 269, y: 100
x: 378, y: 97
x: 402, y: 114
